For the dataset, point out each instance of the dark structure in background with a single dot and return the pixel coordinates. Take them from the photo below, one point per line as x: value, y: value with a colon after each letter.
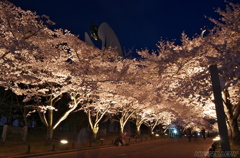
x: 106, y: 35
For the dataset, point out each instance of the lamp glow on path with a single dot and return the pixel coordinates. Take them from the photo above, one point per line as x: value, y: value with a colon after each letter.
x: 216, y: 138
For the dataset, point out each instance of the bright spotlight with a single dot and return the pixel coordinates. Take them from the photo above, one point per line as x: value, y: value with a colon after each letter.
x: 63, y: 141
x: 175, y: 131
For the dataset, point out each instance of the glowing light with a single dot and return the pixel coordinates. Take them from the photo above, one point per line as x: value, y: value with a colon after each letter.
x: 157, y: 135
x: 175, y: 131
x: 216, y: 138
x: 64, y: 141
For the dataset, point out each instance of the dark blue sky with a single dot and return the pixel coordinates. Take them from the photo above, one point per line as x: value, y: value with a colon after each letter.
x: 137, y: 23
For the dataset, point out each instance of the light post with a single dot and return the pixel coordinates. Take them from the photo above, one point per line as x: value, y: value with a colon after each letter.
x: 219, y: 109
x: 63, y: 143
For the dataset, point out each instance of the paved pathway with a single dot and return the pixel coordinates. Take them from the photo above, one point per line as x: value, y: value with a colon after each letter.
x: 160, y: 148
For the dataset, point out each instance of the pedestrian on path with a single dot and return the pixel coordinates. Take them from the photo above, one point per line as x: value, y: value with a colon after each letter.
x: 119, y: 141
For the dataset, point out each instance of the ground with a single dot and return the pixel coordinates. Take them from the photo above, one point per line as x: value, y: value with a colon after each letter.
x: 35, y: 144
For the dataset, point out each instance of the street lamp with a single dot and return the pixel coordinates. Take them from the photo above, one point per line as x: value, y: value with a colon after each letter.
x: 175, y: 131
x: 64, y: 142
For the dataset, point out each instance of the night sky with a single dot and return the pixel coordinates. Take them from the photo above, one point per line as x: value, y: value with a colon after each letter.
x: 137, y: 23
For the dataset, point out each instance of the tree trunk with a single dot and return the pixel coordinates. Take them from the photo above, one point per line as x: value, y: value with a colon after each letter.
x: 230, y: 133
x: 138, y: 129
x: 25, y: 124
x: 236, y: 140
x: 95, y: 131
x: 121, y: 122
x: 151, y: 128
x: 50, y: 127
x: 24, y: 115
x: 49, y: 135
x: 160, y: 130
x: 121, y: 128
x: 235, y: 131
x: 232, y: 113
x: 25, y: 129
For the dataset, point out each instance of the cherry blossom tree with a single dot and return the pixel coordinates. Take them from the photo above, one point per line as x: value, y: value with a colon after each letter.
x: 25, y: 44
x: 221, y: 47
x: 43, y: 64
x: 107, y: 75
x: 147, y: 97
x: 140, y: 116
x: 224, y: 40
x: 96, y: 107
x: 185, y: 68
x: 158, y: 117
x: 124, y: 108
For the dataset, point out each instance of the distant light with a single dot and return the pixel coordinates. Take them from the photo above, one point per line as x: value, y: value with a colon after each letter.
x: 198, y: 134
x: 216, y: 138
x: 175, y: 131
x: 64, y: 141
x: 157, y: 135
